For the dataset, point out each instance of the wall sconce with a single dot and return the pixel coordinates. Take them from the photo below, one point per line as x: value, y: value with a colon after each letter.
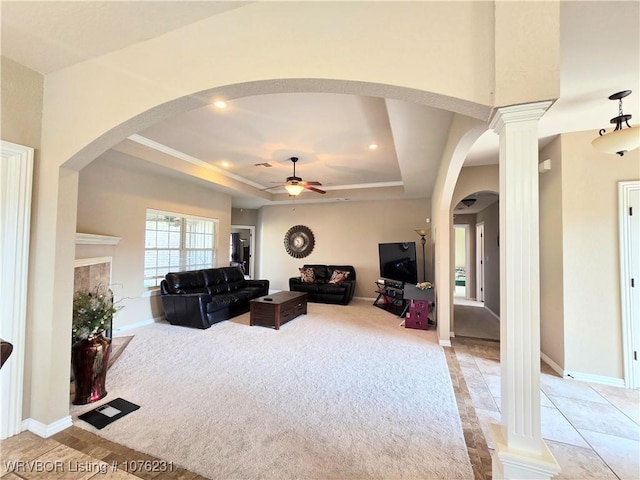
x: 620, y: 140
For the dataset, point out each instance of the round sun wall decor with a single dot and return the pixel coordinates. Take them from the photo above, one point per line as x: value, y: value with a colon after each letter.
x: 299, y: 241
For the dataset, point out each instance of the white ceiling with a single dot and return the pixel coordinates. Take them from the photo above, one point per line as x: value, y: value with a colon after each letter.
x: 330, y: 133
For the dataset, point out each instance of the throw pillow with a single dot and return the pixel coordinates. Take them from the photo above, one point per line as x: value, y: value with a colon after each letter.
x: 338, y: 276
x: 307, y: 275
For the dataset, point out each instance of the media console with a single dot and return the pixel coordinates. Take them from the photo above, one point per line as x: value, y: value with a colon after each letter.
x: 390, y: 296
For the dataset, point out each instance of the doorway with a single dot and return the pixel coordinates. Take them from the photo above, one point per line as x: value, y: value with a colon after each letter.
x: 462, y: 257
x: 241, y: 248
x: 629, y: 208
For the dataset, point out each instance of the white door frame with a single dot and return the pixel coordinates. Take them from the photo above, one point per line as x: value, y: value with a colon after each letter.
x: 16, y: 176
x: 252, y: 247
x: 628, y: 195
x: 480, y: 261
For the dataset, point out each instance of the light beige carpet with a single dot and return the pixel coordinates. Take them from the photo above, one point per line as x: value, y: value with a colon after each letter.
x: 118, y: 344
x: 339, y: 393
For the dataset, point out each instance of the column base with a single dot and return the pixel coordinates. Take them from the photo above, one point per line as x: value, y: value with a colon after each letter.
x: 508, y: 464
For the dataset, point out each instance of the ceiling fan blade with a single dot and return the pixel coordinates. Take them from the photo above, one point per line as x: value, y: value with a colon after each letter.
x: 312, y: 183
x: 271, y: 188
x: 314, y: 189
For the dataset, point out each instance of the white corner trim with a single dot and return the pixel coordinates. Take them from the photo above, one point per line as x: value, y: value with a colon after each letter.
x: 444, y: 343
x: 556, y: 368
x: 491, y: 312
x: 92, y: 239
x: 46, y: 431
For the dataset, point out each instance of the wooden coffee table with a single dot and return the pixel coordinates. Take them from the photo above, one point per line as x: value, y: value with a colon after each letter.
x: 277, y: 309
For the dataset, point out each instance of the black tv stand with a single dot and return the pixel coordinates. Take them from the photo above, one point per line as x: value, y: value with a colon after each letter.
x: 390, y: 296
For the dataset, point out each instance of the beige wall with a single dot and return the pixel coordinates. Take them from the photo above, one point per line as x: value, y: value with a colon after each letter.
x: 21, y: 104
x: 552, y: 332
x: 244, y: 216
x: 21, y: 117
x: 113, y: 199
x: 591, y: 277
x: 345, y: 233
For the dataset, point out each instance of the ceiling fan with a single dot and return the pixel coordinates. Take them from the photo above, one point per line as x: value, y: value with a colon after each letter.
x: 294, y: 185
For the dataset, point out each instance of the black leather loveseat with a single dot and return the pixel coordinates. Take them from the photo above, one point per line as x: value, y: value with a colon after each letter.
x: 320, y: 289
x: 200, y: 298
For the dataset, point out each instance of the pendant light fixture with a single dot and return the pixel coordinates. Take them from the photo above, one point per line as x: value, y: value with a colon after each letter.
x: 621, y: 140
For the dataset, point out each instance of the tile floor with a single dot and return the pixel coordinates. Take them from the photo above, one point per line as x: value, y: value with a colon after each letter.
x: 592, y: 430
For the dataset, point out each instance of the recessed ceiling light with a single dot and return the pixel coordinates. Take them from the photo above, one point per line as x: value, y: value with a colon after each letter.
x: 373, y: 146
x: 220, y: 104
x: 225, y: 164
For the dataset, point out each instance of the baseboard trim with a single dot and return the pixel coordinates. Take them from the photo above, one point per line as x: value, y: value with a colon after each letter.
x: 139, y: 324
x: 600, y: 379
x: 582, y: 377
x: 44, y: 430
x: 370, y: 299
x: 491, y: 312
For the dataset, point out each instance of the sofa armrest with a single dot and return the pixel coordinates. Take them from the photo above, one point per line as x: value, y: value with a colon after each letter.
x: 187, y: 309
x: 351, y: 289
x: 294, y: 281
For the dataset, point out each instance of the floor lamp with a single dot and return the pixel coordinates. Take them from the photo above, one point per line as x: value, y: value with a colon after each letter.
x: 423, y: 233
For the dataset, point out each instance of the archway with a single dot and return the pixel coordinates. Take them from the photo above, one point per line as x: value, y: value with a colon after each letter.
x: 477, y: 275
x: 72, y: 166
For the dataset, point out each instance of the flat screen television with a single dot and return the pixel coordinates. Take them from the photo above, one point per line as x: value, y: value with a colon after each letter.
x: 398, y: 261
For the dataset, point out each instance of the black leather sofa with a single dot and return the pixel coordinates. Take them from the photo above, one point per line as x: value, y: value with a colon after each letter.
x: 200, y: 298
x: 321, y: 291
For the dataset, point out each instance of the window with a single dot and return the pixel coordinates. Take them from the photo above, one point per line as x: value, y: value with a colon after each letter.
x: 175, y: 243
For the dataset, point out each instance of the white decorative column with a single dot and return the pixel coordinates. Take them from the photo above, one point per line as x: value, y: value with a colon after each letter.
x: 520, y: 452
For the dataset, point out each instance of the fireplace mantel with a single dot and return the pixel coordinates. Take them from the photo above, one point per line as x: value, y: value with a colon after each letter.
x: 92, y: 239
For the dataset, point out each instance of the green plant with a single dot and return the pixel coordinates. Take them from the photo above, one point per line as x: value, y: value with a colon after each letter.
x: 92, y: 312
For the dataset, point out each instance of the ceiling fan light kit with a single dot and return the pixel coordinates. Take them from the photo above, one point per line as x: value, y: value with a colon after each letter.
x: 295, y: 186
x: 294, y: 189
x: 621, y: 140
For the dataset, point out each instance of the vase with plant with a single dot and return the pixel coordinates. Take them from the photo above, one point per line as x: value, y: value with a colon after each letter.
x: 92, y: 315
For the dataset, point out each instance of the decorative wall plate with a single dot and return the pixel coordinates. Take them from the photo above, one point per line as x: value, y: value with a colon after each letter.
x: 299, y: 241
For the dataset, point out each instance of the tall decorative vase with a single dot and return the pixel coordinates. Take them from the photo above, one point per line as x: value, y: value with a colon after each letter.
x: 90, y: 359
